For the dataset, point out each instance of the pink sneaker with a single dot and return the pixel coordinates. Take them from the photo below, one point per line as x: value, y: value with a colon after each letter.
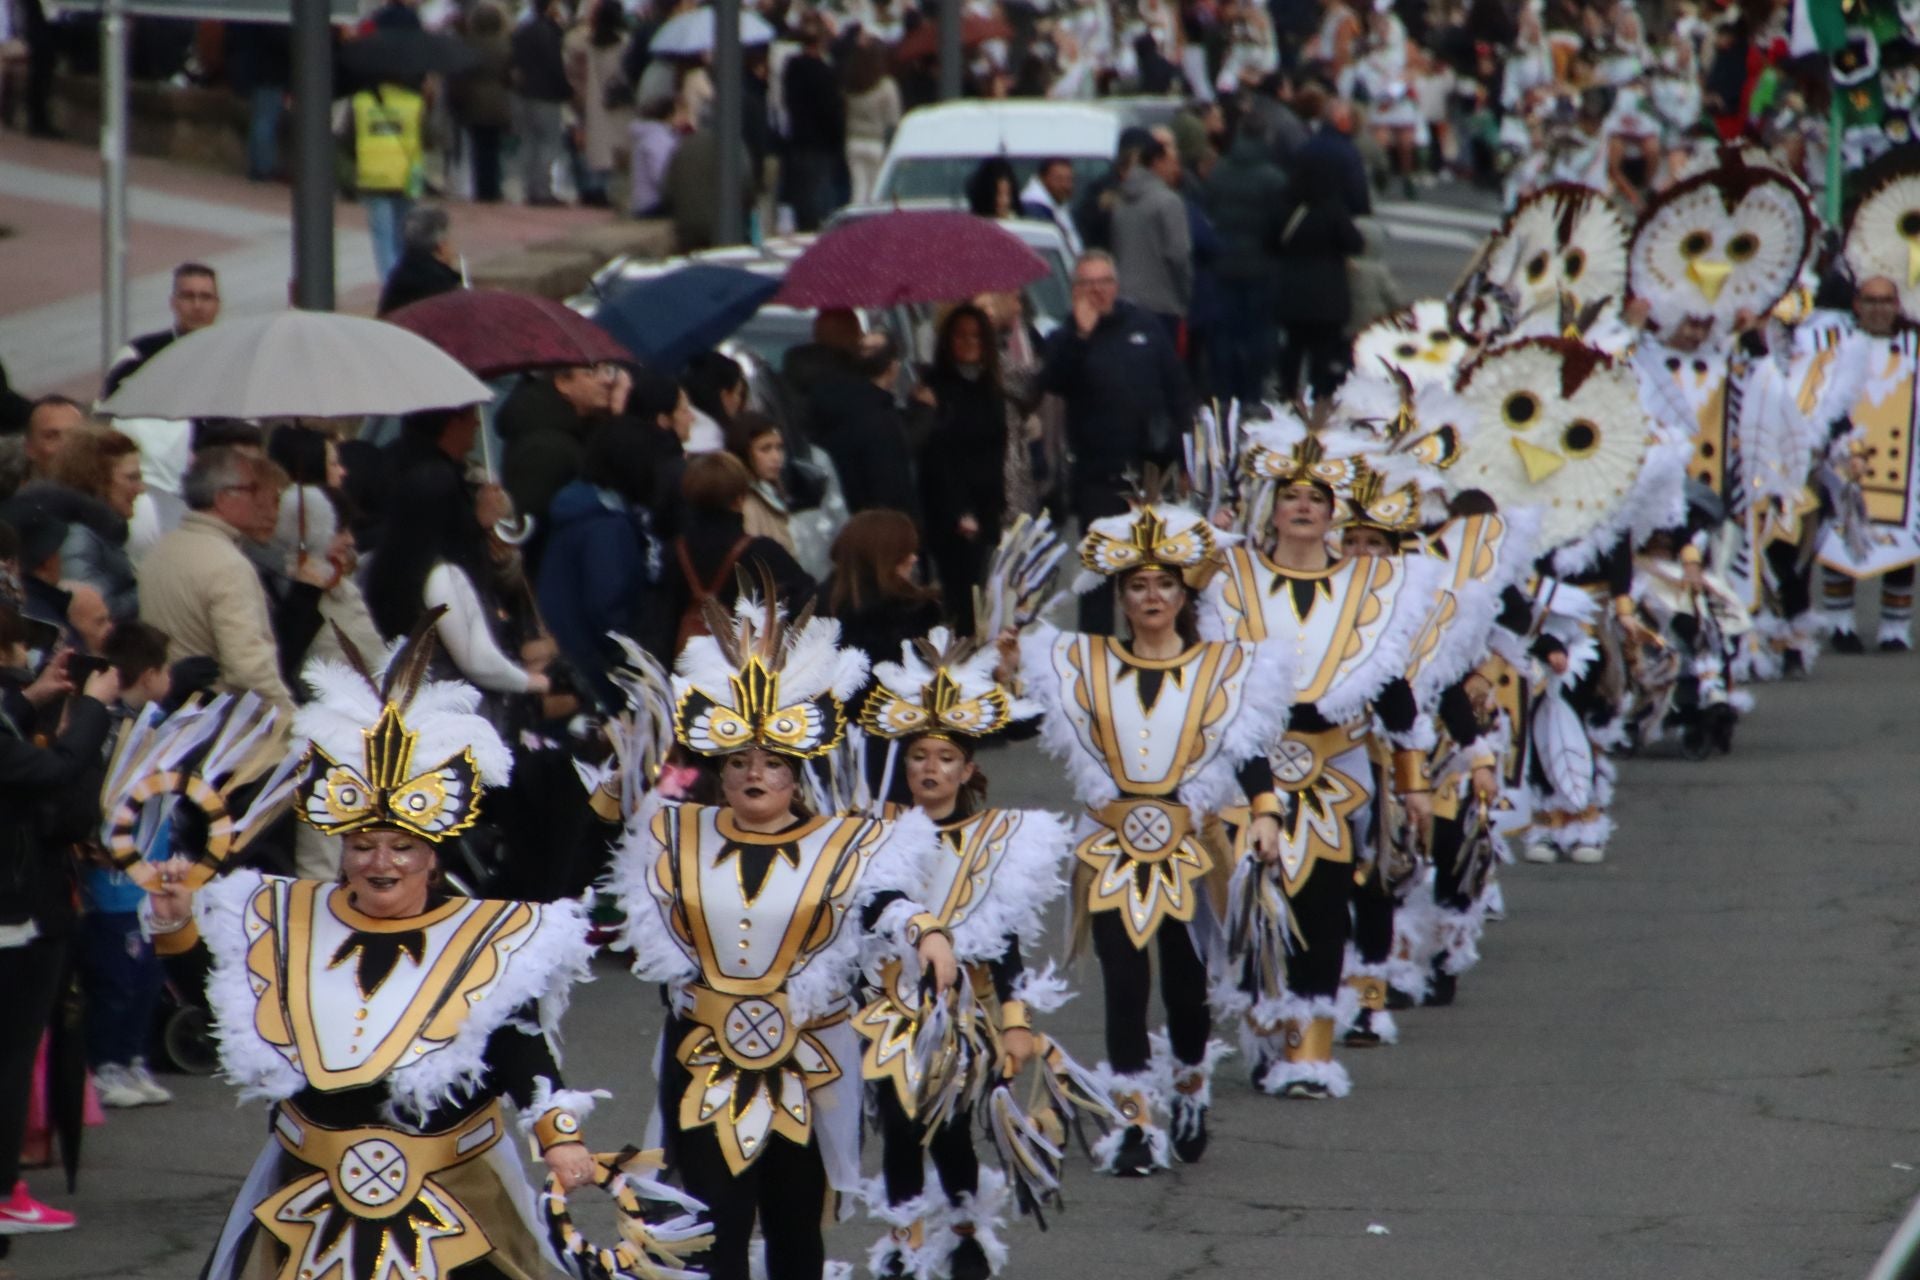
x: 21, y: 1213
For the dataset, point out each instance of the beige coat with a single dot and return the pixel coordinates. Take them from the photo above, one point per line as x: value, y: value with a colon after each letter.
x: 590, y: 70
x: 199, y: 587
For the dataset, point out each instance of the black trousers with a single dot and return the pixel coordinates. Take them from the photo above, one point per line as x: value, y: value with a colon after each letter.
x: 1447, y: 868
x: 1322, y: 912
x: 785, y: 1190
x: 962, y: 565
x: 1095, y: 498
x: 1373, y: 920
x: 1126, y: 971
x: 1324, y: 349
x: 31, y: 978
x: 1796, y: 583
x: 485, y: 142
x: 903, y: 1157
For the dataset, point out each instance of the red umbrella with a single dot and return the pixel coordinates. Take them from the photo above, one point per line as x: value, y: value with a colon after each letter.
x: 494, y: 332
x: 919, y: 255
x: 924, y: 40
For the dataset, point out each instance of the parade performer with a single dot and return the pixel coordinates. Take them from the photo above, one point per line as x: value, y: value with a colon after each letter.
x: 1159, y: 733
x: 1001, y: 872
x: 1556, y: 427
x: 1711, y: 258
x: 1559, y: 258
x: 1346, y: 627
x: 753, y: 911
x: 1875, y: 533
x: 384, y: 1017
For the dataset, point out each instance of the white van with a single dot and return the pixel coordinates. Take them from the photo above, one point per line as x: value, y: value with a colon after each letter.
x: 936, y: 149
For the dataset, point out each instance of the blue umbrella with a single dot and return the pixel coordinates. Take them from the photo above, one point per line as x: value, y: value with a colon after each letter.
x: 671, y: 318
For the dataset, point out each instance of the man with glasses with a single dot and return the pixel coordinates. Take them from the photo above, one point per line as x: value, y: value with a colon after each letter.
x: 195, y: 303
x: 198, y: 585
x: 1126, y: 398
x: 1872, y: 397
x: 544, y: 426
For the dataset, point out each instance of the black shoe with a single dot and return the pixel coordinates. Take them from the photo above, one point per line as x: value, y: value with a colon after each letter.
x: 968, y: 1261
x: 1847, y: 642
x: 1441, y: 989
x: 895, y: 1268
x: 1189, y: 1133
x: 1135, y: 1157
x: 1307, y: 1090
x: 1261, y: 1065
x: 1894, y: 646
x: 1792, y: 664
x: 1398, y: 999
x: 1361, y: 1034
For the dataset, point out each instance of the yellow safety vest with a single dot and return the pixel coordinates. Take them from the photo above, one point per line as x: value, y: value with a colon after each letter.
x: 386, y: 139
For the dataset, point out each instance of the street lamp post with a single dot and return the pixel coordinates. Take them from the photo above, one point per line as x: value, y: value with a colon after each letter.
x: 728, y: 119
x: 312, y: 155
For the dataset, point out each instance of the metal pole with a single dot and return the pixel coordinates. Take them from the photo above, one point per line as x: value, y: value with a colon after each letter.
x: 312, y: 155
x: 113, y: 180
x: 728, y: 120
x: 949, y: 50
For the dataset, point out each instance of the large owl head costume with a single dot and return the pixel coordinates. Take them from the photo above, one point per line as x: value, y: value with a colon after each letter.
x: 942, y: 687
x: 1883, y: 233
x: 1730, y: 239
x: 1554, y: 425
x: 1564, y: 247
x: 1417, y: 341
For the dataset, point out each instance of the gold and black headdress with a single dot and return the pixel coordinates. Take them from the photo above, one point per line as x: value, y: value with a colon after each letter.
x: 760, y: 681
x: 393, y: 748
x: 942, y: 687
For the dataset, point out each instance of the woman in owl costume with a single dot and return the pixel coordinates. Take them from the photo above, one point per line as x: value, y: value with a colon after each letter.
x: 1404, y: 444
x: 1711, y: 258
x: 1159, y: 732
x: 1346, y: 627
x: 1556, y: 427
x: 753, y: 913
x: 1000, y: 872
x: 1869, y: 377
x: 386, y: 1019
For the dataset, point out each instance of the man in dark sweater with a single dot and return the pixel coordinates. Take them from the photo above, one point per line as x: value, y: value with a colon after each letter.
x: 1126, y: 396
x: 856, y: 420
x: 816, y: 126
x: 195, y: 303
x: 540, y: 90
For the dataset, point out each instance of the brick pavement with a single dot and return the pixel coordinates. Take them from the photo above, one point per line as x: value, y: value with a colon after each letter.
x: 50, y: 270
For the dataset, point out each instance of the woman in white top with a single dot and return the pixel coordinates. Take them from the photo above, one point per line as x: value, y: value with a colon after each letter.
x: 434, y: 554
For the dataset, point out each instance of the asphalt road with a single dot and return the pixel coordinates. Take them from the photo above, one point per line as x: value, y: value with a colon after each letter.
x: 1695, y: 1061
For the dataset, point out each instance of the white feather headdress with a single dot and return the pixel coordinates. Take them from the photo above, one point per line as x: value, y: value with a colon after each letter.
x: 758, y: 680
x: 1883, y: 234
x: 1156, y: 532
x: 388, y: 747
x: 941, y: 687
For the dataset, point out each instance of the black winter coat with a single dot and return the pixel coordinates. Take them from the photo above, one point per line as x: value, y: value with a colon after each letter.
x: 1246, y: 197
x: 1316, y: 239
x: 36, y: 869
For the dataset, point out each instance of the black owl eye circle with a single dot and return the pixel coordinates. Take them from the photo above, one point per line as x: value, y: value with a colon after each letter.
x: 1580, y: 438
x: 1695, y: 244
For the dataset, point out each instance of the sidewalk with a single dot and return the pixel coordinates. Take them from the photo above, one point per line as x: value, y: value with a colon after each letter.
x: 50, y: 263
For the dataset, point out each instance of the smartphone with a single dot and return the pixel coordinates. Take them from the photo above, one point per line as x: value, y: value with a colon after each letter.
x: 82, y: 667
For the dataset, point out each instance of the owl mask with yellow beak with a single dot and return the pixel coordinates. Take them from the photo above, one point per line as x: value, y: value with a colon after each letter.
x: 1883, y: 234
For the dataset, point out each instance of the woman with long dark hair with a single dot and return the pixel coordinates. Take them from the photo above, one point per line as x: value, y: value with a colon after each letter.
x: 716, y: 388
x: 872, y: 590
x: 435, y: 555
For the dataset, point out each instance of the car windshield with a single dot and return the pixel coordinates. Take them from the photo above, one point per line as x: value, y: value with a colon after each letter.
x: 945, y: 177
x: 773, y: 330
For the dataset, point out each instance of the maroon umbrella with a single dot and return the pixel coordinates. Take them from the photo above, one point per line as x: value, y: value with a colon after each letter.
x: 924, y: 40
x: 494, y: 332
x: 918, y: 255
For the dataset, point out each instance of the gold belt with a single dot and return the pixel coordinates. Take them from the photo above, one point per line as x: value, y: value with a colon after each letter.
x: 1299, y: 758
x: 377, y: 1171
x: 1148, y: 828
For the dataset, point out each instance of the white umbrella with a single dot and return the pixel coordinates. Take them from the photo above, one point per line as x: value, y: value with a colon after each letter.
x: 692, y: 32
x: 297, y: 364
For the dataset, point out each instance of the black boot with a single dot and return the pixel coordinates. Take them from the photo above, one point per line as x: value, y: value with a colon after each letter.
x: 1441, y: 988
x: 968, y: 1261
x: 1189, y: 1126
x: 1361, y: 1034
x: 1135, y: 1157
x: 1847, y: 642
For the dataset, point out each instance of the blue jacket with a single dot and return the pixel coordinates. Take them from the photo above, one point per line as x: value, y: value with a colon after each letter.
x: 599, y: 573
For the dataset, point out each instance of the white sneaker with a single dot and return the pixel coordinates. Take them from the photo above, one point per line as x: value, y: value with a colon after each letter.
x: 155, y: 1092
x: 1541, y: 852
x: 115, y: 1085
x: 1586, y: 854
